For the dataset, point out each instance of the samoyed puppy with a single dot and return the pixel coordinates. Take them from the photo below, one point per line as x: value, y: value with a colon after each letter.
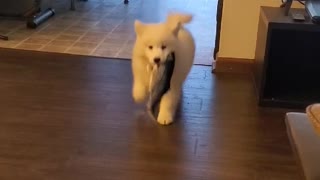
x: 154, y: 42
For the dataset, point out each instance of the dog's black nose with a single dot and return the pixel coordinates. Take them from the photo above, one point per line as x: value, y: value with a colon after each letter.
x: 156, y: 60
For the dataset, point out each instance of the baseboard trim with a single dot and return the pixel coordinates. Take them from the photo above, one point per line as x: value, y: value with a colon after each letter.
x: 233, y: 65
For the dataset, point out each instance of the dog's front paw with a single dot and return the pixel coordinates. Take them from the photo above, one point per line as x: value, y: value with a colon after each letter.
x: 165, y: 118
x: 139, y: 93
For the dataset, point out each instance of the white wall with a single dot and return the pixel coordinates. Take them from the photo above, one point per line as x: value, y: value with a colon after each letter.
x: 240, y: 25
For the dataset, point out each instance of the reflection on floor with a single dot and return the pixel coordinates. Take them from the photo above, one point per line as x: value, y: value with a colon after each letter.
x: 105, y: 27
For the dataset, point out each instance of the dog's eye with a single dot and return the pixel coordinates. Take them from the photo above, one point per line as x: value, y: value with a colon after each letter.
x: 163, y: 47
x: 150, y: 47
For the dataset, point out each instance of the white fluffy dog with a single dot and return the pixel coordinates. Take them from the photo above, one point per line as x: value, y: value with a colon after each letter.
x: 154, y: 42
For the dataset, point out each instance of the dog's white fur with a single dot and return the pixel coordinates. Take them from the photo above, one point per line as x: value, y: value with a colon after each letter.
x: 157, y: 40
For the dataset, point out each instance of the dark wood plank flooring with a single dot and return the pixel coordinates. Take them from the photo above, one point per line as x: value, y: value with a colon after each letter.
x: 65, y: 117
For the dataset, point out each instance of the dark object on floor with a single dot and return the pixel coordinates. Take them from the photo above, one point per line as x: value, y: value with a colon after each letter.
x: 41, y: 18
x: 160, y: 85
x: 28, y: 10
x: 126, y: 1
x: 6, y: 38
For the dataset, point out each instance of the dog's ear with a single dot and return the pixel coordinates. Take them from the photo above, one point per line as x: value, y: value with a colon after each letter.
x: 175, y: 27
x: 175, y: 21
x: 138, y: 27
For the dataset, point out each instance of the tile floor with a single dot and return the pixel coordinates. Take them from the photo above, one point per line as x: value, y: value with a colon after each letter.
x: 104, y: 28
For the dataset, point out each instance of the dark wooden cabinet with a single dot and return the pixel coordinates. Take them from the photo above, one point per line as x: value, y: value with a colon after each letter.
x: 287, y: 60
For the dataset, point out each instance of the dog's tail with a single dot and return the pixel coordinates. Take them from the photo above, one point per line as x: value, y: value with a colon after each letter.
x: 179, y: 18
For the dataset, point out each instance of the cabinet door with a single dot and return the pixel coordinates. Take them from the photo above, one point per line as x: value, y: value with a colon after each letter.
x: 293, y: 66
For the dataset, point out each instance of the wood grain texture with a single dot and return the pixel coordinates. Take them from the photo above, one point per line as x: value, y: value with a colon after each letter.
x: 72, y: 117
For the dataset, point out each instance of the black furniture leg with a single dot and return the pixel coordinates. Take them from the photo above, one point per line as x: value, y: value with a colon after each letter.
x: 126, y: 2
x: 72, y: 5
x: 6, y: 38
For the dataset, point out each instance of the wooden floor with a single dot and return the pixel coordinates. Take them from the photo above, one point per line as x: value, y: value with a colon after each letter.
x: 66, y: 117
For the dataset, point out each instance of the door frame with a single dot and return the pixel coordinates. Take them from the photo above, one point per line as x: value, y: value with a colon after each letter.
x: 218, y: 28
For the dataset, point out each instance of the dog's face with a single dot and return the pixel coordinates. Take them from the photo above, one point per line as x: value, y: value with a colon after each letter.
x: 157, y: 40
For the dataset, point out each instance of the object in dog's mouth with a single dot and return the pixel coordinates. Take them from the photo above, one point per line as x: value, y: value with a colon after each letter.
x: 159, y: 84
